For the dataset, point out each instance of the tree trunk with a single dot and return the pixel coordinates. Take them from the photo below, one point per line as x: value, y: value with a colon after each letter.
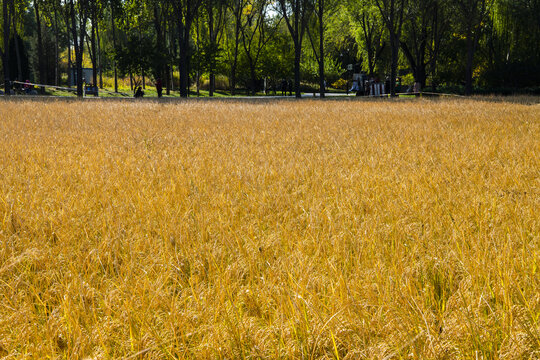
x: 421, y: 75
x: 212, y: 78
x: 394, y: 22
x: 172, y: 77
x: 368, y: 34
x: 296, y: 30
x: 321, y: 49
x: 469, y: 66
x: 56, y: 50
x: 297, y: 50
x: 183, y: 71
x: 183, y: 30
x: 70, y: 64
x: 114, y: 44
x: 198, y: 73
x: 100, y: 70
x: 93, y: 46
x: 16, y: 42
x: 417, y: 64
x: 184, y: 21
x: 5, y: 55
x: 142, y: 69
x: 297, y: 58
x: 78, y: 42
x: 174, y: 46
x: 159, y: 42
x: 234, y: 65
x: 78, y: 65
x: 253, y: 78
x: 394, y: 44
x: 41, y: 71
x: 17, y: 51
x: 212, y: 82
x: 168, y: 79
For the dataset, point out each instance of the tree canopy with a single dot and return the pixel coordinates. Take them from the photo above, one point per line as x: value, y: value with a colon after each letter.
x: 256, y: 45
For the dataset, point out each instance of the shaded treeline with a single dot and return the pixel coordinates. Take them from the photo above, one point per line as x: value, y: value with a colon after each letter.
x: 256, y: 44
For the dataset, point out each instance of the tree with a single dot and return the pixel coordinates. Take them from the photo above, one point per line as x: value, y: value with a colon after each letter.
x: 160, y: 62
x: 136, y: 56
x: 448, y: 40
x: 17, y: 41
x: 368, y: 29
x: 471, y: 15
x: 422, y: 36
x: 296, y: 14
x: 392, y: 13
x: 95, y: 14
x: 42, y: 71
x: 257, y: 30
x: 321, y: 8
x: 185, y: 11
x: 236, y: 8
x: 6, y: 5
x: 115, y: 8
x: 78, y: 11
x: 215, y: 11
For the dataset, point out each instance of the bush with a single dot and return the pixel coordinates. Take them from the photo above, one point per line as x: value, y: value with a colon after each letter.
x: 222, y: 82
x: 340, y: 84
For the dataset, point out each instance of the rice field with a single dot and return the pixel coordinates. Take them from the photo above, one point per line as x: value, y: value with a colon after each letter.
x: 405, y: 229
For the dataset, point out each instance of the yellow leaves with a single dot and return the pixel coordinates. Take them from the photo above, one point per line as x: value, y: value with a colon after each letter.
x: 459, y: 36
x: 248, y: 9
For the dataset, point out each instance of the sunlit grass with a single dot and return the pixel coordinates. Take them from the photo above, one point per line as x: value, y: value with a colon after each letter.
x: 376, y: 230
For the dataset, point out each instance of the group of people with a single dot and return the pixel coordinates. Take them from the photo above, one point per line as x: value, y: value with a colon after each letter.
x: 286, y: 85
x: 17, y: 87
x: 28, y: 88
x: 373, y: 86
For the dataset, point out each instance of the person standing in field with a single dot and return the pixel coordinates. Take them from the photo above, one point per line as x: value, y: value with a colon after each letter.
x: 159, y: 87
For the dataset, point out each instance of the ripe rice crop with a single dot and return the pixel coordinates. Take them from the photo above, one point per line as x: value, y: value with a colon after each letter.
x: 291, y: 230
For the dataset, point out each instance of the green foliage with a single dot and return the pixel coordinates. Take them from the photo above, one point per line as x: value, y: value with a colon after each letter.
x: 141, y: 36
x: 137, y: 56
x: 310, y: 69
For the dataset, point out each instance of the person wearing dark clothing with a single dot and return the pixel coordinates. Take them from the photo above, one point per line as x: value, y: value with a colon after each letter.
x: 290, y: 86
x: 284, y: 87
x: 139, y: 93
x: 159, y: 88
x: 28, y: 87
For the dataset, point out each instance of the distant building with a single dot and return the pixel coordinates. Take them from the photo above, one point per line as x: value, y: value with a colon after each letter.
x: 87, y: 75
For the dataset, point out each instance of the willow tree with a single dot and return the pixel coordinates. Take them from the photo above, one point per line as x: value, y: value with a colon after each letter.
x: 471, y: 16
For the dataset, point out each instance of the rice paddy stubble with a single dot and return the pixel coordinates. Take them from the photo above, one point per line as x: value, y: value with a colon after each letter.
x: 274, y: 230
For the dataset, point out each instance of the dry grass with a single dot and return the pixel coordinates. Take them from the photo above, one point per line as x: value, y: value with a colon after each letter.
x: 305, y: 230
